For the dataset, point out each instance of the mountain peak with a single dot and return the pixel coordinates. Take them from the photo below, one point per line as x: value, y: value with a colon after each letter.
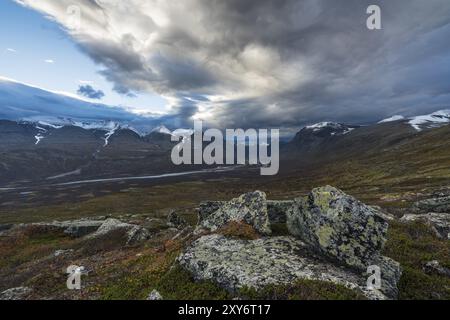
x: 162, y: 129
x: 433, y: 120
x: 328, y: 128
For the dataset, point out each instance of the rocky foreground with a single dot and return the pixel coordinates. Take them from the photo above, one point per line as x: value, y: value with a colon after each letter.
x: 247, y: 243
x: 333, y: 237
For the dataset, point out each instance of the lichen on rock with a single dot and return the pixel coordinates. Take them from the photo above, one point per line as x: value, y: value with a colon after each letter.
x: 250, y: 208
x: 339, y: 226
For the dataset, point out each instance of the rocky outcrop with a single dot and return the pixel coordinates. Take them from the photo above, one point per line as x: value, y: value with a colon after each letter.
x: 234, y: 264
x: 19, y: 293
x: 335, y: 238
x: 435, y: 267
x: 438, y: 205
x: 339, y: 226
x: 438, y: 222
x: 250, y: 208
x: 134, y: 233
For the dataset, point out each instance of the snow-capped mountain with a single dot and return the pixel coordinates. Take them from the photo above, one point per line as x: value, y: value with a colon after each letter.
x: 162, y: 129
x: 433, y: 120
x: 329, y: 128
x: 313, y: 136
x: 25, y: 103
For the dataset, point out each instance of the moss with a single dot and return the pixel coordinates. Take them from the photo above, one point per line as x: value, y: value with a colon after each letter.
x: 239, y: 230
x: 413, y: 245
x: 303, y: 290
x: 178, y: 284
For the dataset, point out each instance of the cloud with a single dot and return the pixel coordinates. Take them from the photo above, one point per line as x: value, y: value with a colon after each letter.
x: 11, y: 50
x: 264, y: 63
x: 49, y: 61
x: 89, y: 92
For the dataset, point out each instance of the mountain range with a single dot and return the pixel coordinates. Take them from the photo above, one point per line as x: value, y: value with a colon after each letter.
x: 46, y: 136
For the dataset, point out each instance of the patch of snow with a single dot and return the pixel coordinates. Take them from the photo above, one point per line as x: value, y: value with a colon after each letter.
x: 320, y: 125
x: 38, y: 138
x: 112, y: 130
x: 392, y: 119
x: 348, y: 130
x: 162, y: 129
x: 433, y: 120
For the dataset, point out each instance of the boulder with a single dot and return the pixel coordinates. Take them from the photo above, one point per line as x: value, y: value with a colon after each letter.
x: 434, y: 267
x: 250, y: 208
x: 339, y: 227
x: 438, y: 222
x: 438, y: 205
x: 155, y: 295
x: 135, y: 233
x: 207, y: 208
x: 234, y: 264
x: 275, y: 208
x: 19, y: 293
x: 278, y: 210
x: 76, y: 228
x: 175, y: 221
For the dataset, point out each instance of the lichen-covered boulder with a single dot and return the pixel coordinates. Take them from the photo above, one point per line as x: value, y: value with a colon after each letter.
x: 438, y: 222
x: 234, y: 264
x: 250, y: 208
x: 134, y: 233
x: 438, y: 205
x: 435, y: 267
x: 207, y: 208
x: 339, y: 226
x: 155, y: 296
x: 277, y: 209
x: 175, y: 221
x: 19, y: 293
x: 75, y: 228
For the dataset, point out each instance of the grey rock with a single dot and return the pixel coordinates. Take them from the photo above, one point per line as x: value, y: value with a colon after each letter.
x: 59, y: 253
x: 155, y: 295
x: 250, y: 208
x: 207, y: 208
x: 135, y: 233
x: 175, y: 221
x: 19, y: 293
x: 6, y: 227
x: 391, y: 273
x: 234, y: 264
x: 339, y: 226
x: 76, y: 228
x: 438, y: 222
x: 276, y: 209
x: 386, y: 216
x: 438, y: 205
x: 434, y: 267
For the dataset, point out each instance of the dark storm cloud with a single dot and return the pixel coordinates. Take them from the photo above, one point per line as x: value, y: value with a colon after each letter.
x: 268, y: 63
x: 89, y: 92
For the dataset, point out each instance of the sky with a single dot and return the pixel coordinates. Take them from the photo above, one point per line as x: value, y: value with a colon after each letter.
x: 234, y: 63
x: 37, y: 51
